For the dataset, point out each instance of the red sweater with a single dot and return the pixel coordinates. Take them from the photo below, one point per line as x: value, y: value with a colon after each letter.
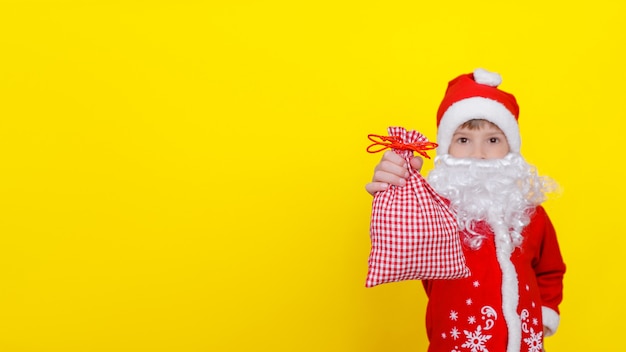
x: 468, y: 314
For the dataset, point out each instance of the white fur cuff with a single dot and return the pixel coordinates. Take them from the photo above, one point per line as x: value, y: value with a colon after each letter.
x: 551, y: 320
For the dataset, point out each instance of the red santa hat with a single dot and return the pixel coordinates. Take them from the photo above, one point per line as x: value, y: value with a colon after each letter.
x: 476, y: 96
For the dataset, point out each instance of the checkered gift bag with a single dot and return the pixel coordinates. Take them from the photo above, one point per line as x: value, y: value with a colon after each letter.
x: 413, y: 232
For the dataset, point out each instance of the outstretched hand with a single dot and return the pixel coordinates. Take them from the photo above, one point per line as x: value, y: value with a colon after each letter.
x: 391, y: 170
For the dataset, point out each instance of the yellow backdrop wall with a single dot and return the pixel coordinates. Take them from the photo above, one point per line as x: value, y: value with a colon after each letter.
x: 189, y: 175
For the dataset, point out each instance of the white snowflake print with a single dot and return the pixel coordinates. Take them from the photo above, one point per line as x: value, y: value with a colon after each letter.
x: 471, y: 320
x: 444, y: 336
x: 456, y: 349
x: 534, y: 341
x: 476, y: 283
x: 454, y: 315
x: 455, y: 333
x: 535, y: 321
x: 476, y: 340
x: 469, y: 301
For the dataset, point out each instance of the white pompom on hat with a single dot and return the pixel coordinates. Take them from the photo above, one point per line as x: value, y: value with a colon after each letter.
x: 476, y: 96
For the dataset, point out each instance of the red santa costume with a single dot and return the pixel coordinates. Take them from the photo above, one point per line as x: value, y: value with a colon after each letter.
x: 510, y: 246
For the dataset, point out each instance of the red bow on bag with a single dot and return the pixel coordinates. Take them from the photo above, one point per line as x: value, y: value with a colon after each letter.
x: 395, y: 142
x: 414, y: 233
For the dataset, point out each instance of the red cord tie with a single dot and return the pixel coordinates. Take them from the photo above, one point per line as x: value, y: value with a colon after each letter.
x: 394, y: 142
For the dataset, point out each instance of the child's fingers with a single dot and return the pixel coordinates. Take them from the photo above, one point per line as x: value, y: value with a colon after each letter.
x: 417, y: 163
x: 382, y: 180
x: 393, y: 158
x: 387, y: 167
x: 374, y: 187
x: 392, y: 170
x: 393, y: 164
x: 389, y: 178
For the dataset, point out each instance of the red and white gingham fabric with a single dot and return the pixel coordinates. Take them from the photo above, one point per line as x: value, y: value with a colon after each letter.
x: 413, y: 232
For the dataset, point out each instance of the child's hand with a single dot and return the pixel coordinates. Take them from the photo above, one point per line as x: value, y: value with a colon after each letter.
x: 391, y: 170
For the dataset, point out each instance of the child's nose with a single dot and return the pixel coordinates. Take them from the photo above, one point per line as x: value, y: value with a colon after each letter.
x: 478, y: 152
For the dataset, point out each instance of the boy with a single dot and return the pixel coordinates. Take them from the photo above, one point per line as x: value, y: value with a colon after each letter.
x: 510, y: 300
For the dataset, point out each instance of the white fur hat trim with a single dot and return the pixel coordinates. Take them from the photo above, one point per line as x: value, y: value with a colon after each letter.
x: 477, y: 108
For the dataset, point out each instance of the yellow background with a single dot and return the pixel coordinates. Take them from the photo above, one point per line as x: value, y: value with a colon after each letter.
x: 189, y: 176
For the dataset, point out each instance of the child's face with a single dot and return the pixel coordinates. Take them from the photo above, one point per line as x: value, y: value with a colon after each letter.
x: 485, y: 142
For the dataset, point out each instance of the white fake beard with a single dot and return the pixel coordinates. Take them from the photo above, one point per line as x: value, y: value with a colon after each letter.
x: 502, y: 192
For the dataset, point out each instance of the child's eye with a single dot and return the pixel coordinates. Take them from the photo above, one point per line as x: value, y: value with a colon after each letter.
x: 462, y: 140
x: 493, y: 140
